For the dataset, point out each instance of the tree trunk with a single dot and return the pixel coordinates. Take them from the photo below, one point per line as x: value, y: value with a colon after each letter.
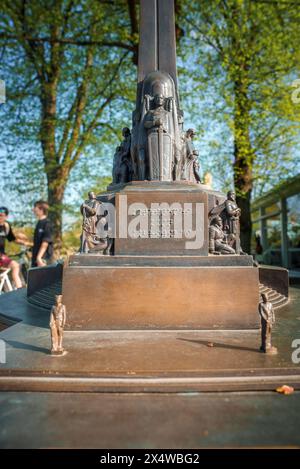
x: 243, y: 158
x: 243, y: 181
x: 54, y: 171
x: 56, y: 189
x: 246, y: 223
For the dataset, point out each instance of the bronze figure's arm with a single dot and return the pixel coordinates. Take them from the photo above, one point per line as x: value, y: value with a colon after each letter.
x: 88, y: 209
x: 273, y: 315
x: 52, y: 319
x: 262, y: 312
x: 64, y: 316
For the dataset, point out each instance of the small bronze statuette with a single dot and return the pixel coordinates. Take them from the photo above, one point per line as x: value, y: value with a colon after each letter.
x: 267, y: 317
x: 57, y: 324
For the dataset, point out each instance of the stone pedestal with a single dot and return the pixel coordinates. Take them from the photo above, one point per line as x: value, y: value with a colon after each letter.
x: 161, y: 218
x: 161, y: 275
x: 160, y: 293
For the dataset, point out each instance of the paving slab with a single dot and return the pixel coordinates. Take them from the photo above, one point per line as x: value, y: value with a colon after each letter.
x: 189, y: 420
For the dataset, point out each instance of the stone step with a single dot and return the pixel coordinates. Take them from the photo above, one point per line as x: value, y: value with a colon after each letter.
x: 45, y: 298
x: 94, y: 260
x: 273, y: 296
x: 263, y: 287
x: 283, y: 301
x: 39, y: 304
x: 144, y: 384
x: 276, y: 298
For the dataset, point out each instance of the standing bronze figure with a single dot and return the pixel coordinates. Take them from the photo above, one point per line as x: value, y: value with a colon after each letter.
x: 156, y: 145
x: 159, y: 140
x: 57, y: 324
x: 232, y: 215
x: 196, y: 168
x: 267, y: 317
x: 122, y: 166
x: 190, y: 164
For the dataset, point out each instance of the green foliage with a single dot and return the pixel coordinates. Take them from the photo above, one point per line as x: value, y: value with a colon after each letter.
x: 70, y: 78
x: 66, y: 95
x: 242, y: 58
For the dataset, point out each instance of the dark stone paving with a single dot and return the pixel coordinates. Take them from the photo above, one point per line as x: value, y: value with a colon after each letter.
x: 64, y: 420
x: 146, y: 419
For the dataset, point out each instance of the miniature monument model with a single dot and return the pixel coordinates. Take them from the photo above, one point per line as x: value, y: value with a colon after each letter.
x: 267, y: 316
x: 159, y: 249
x: 57, y: 324
x: 159, y: 299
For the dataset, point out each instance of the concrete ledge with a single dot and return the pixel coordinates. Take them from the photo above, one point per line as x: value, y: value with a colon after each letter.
x: 144, y: 384
x: 157, y: 261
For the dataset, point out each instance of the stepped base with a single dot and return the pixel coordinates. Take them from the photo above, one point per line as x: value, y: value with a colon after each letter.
x: 160, y: 295
x: 276, y: 298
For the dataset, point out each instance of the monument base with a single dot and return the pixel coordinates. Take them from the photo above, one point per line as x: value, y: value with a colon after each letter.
x: 161, y: 293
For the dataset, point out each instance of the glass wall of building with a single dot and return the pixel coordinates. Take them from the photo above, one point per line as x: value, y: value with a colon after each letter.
x: 276, y: 225
x: 293, y: 232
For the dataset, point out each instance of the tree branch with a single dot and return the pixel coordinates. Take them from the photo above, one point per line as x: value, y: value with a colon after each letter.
x: 77, y: 107
x: 70, y: 41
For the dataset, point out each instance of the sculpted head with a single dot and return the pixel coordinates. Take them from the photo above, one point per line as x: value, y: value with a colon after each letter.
x: 264, y: 297
x: 158, y: 100
x: 191, y: 133
x: 231, y: 195
x: 217, y: 221
x: 92, y: 195
x: 58, y: 299
x: 125, y: 132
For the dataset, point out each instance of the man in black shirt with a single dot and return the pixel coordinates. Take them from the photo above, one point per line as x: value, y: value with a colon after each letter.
x: 6, y: 233
x: 42, y: 250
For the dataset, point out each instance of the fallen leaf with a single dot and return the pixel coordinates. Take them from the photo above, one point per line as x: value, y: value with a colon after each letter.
x: 285, y: 389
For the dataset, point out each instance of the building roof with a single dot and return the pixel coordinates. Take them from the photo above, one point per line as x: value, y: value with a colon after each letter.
x: 286, y: 188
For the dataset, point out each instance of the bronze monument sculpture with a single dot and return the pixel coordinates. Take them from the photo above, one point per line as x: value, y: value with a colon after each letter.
x: 267, y: 318
x: 57, y: 324
x: 156, y: 143
x: 230, y: 214
x: 217, y: 238
x: 122, y: 167
x: 92, y: 221
x: 174, y: 240
x: 190, y: 165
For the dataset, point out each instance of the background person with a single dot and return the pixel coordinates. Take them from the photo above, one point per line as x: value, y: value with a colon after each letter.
x: 42, y: 250
x: 6, y: 233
